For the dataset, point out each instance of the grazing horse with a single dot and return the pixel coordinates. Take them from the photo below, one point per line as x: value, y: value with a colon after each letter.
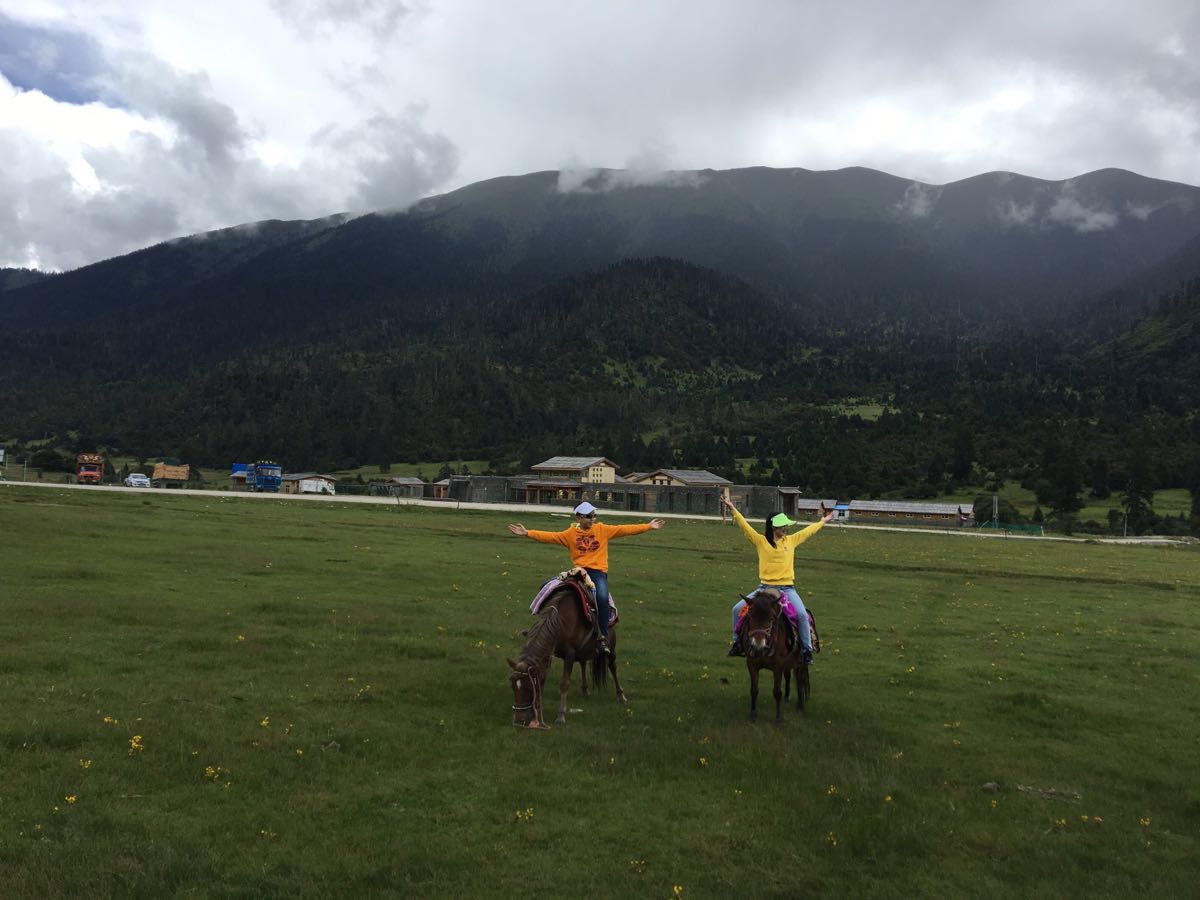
x: 561, y: 630
x: 764, y: 640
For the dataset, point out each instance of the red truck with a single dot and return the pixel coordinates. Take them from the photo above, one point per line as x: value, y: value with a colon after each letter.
x: 89, y: 468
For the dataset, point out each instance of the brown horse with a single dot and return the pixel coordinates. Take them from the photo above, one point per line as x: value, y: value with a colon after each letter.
x: 561, y: 630
x: 764, y: 637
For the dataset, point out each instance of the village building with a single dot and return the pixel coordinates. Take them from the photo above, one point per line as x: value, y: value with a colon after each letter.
x: 813, y: 509
x: 907, y: 512
x: 552, y: 490
x: 681, y: 477
x: 590, y: 469
x: 405, y: 486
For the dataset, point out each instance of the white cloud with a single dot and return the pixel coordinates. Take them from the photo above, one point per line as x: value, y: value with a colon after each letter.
x: 919, y: 200
x: 1068, y: 210
x: 1016, y: 214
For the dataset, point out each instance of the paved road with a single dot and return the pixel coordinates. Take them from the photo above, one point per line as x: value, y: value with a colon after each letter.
x: 516, y: 508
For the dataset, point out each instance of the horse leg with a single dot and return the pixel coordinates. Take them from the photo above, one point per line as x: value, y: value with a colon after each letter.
x: 778, y: 694
x: 612, y: 668
x: 753, y: 692
x: 802, y: 687
x: 583, y: 680
x: 568, y: 660
x: 787, y: 684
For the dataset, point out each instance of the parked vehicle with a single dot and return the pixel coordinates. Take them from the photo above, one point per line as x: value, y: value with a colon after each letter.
x: 267, y: 476
x: 170, y: 476
x: 136, y: 480
x: 89, y: 468
x: 262, y: 476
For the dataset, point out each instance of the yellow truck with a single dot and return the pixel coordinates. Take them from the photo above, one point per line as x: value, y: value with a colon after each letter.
x: 166, y: 476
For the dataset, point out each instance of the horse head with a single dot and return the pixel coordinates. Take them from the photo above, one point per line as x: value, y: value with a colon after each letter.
x: 762, y: 612
x: 527, y: 681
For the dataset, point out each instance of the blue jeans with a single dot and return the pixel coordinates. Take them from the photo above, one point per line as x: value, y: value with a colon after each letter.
x: 600, y: 579
x: 790, y: 592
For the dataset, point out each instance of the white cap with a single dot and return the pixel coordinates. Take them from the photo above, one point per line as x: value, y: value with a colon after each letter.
x: 585, y: 509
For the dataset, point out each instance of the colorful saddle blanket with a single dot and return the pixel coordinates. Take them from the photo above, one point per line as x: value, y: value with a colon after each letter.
x: 788, y: 610
x: 793, y: 621
x: 586, y: 597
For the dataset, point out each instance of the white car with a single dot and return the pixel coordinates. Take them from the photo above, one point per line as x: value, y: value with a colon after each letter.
x: 136, y: 479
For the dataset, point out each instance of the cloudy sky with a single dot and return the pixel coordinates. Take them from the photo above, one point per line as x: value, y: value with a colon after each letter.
x: 127, y: 122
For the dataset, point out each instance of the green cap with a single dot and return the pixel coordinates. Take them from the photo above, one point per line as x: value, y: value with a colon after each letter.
x: 780, y: 520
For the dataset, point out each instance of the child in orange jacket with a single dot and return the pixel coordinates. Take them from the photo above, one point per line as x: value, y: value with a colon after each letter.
x: 587, y: 542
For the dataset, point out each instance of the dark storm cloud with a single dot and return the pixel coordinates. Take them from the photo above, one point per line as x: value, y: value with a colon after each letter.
x: 205, y: 125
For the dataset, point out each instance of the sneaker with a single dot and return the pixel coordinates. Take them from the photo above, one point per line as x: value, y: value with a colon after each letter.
x: 735, y: 649
x: 602, y: 645
x: 806, y: 657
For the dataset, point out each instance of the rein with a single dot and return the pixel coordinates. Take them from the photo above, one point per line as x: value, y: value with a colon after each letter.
x: 534, y: 704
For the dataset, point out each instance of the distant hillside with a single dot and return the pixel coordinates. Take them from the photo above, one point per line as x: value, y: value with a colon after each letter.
x: 832, y: 244
x: 852, y: 332
x: 647, y: 361
x: 11, y: 279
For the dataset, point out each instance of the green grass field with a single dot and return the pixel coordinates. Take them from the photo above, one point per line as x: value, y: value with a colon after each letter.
x: 236, y: 698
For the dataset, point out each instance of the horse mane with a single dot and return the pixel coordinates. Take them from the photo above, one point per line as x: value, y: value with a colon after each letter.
x: 541, y: 638
x: 764, y: 599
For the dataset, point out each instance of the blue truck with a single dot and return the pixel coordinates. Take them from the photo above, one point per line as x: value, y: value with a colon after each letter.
x: 263, y: 475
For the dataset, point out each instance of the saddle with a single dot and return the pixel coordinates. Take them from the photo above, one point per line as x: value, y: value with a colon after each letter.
x: 585, y: 590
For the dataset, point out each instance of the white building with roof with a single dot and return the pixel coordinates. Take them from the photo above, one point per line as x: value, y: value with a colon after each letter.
x: 586, y: 469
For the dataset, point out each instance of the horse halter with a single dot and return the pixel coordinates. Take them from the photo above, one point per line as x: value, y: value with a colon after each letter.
x: 768, y: 631
x: 535, y: 703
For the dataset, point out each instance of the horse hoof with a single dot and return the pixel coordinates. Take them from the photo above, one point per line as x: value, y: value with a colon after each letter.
x: 621, y: 699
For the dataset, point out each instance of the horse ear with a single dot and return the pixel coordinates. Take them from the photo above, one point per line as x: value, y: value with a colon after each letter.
x: 512, y: 665
x: 744, y: 597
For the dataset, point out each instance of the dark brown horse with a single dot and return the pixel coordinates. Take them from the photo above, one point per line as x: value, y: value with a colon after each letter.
x: 764, y: 637
x: 561, y: 630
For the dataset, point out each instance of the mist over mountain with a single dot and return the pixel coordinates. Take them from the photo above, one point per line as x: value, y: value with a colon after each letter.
x: 721, y: 314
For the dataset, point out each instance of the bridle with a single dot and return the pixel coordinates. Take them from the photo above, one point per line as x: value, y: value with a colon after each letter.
x: 535, y: 703
x: 768, y: 632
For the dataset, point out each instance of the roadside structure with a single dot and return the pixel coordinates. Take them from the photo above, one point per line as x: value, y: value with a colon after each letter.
x: 906, y: 512
x: 309, y: 483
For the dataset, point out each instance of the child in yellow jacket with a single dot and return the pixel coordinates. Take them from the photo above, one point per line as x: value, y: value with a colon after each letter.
x: 776, y: 567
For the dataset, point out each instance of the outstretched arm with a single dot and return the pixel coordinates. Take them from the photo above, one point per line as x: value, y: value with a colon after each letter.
x: 657, y: 524
x: 518, y: 529
x: 751, y: 535
x: 616, y: 531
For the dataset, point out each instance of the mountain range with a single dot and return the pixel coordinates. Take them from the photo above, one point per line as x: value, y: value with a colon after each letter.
x: 563, y: 311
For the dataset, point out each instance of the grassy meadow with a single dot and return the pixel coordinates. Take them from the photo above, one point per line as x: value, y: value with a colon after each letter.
x: 218, y: 697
